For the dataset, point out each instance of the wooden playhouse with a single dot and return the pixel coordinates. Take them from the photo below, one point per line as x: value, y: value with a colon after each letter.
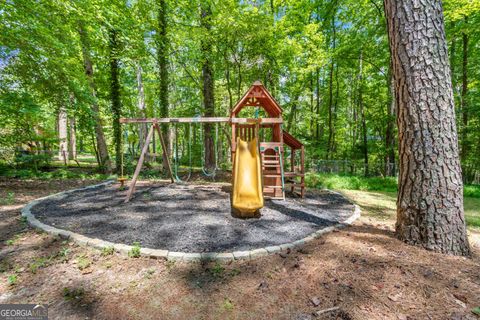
x: 279, y: 173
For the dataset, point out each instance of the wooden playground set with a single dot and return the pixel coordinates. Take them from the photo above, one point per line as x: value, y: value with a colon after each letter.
x: 258, y: 148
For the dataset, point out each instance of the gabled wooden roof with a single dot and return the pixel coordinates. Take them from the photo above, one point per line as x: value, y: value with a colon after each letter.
x: 258, y: 96
x: 290, y: 141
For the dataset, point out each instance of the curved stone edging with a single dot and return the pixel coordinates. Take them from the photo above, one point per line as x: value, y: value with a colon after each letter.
x: 172, y: 255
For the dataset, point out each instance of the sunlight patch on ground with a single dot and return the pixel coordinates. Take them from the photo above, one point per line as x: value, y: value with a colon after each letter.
x: 378, y: 204
x: 382, y: 205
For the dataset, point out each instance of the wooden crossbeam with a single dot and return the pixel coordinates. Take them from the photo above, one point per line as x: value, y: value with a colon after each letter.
x: 175, y: 120
x: 203, y: 120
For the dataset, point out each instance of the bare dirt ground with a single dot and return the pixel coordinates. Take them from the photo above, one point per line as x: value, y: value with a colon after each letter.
x: 363, y: 271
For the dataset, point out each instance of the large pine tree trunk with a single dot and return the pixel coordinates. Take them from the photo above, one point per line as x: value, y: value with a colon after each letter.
x: 115, y: 99
x: 162, y: 61
x: 101, y: 148
x: 208, y: 87
x: 430, y: 196
x: 62, y: 134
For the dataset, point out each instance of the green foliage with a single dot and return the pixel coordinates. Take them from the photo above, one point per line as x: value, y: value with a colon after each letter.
x: 41, y: 262
x: 338, y: 182
x: 316, y: 57
x: 12, y: 279
x: 472, y: 191
x: 60, y: 173
x: 228, y: 304
x: 83, y: 262
x: 73, y: 293
x: 135, y: 251
x: 218, y: 270
x: 9, y: 199
x: 107, y: 251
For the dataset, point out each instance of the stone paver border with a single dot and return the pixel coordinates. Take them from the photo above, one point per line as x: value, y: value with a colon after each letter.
x: 171, y: 255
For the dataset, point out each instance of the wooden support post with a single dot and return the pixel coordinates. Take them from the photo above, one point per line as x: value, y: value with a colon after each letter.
x: 131, y: 188
x: 292, y: 168
x: 302, y: 170
x: 164, y: 150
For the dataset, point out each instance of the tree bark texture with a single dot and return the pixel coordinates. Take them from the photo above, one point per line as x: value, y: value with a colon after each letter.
x: 430, y: 196
x: 72, y: 138
x: 361, y: 108
x: 115, y: 99
x: 103, y: 158
x: 208, y: 86
x: 162, y: 61
x: 72, y: 134
x: 62, y: 134
x: 142, y: 128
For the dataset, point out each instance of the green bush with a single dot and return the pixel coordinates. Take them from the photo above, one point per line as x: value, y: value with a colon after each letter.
x: 334, y: 181
x: 472, y: 191
x: 349, y: 182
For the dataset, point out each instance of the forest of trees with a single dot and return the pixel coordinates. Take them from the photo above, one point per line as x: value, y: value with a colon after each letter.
x: 70, y: 69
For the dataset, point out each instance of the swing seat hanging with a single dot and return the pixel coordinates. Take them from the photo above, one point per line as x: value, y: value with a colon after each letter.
x: 175, y: 156
x: 215, y: 146
x: 122, y: 180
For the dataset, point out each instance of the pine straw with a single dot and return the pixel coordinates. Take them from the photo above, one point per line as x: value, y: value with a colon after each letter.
x: 363, y: 270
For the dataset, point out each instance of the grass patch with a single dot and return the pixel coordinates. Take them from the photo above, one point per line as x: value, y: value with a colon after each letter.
x: 472, y: 211
x: 472, y: 191
x: 83, y: 262
x: 339, y: 182
x: 377, y: 196
x: 9, y: 199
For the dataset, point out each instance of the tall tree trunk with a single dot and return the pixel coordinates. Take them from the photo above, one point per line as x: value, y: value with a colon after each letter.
x: 330, y: 106
x: 115, y: 99
x: 227, y: 77
x: 389, y: 132
x: 452, y: 55
x: 464, y: 104
x: 330, y: 92
x: 72, y: 139
x: 162, y: 61
x: 72, y: 136
x: 102, y: 150
x: 361, y: 109
x: 312, y: 105
x: 430, y: 196
x: 208, y: 85
x: 317, y: 105
x: 62, y: 134
x: 142, y: 128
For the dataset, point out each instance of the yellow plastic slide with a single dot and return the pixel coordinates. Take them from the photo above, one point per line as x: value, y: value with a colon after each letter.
x: 247, y: 191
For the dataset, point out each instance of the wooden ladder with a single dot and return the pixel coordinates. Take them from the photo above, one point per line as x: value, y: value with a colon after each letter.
x: 272, y: 167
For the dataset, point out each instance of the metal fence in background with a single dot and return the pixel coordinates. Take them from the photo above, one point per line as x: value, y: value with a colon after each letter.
x: 353, y: 167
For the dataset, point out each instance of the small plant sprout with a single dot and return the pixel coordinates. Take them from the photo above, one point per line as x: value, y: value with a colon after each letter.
x: 135, y: 251
x: 107, y: 251
x: 12, y: 279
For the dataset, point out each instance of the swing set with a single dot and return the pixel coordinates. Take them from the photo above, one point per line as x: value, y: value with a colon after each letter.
x: 258, y: 165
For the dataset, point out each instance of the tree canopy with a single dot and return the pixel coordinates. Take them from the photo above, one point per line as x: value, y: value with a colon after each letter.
x: 326, y: 62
